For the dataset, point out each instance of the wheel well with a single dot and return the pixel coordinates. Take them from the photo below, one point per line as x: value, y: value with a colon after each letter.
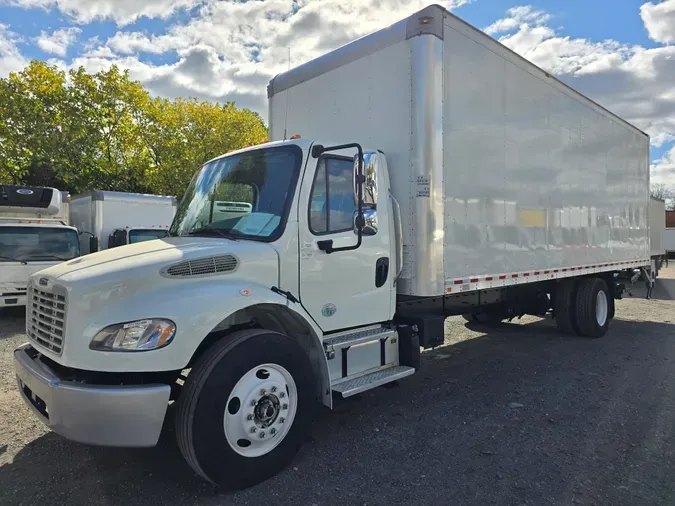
x: 281, y: 319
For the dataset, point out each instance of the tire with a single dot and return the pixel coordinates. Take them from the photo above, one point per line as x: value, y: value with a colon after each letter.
x: 593, y: 307
x: 565, y: 307
x: 220, y: 393
x: 469, y: 317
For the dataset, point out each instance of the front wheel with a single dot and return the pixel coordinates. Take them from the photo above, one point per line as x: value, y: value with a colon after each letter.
x: 245, y: 408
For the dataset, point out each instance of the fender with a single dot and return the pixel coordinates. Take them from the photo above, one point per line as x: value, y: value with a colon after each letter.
x: 198, y: 308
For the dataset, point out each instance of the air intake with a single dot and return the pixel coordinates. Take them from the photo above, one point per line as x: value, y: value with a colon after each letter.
x: 207, y: 266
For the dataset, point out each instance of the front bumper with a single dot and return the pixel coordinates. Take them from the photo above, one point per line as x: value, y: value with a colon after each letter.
x: 107, y: 415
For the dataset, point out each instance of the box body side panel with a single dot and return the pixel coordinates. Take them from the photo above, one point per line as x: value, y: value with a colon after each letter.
x: 535, y: 176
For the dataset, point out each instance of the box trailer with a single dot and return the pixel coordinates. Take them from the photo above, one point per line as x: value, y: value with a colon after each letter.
x: 118, y: 218
x: 34, y: 235
x: 420, y: 172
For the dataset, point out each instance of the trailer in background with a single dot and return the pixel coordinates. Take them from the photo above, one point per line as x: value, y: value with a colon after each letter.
x: 669, y: 242
x: 117, y: 218
x: 657, y: 230
x: 34, y: 235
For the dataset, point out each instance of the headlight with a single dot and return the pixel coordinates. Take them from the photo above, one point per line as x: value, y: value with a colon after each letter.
x: 141, y: 335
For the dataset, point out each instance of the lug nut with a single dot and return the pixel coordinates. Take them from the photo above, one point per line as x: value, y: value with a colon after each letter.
x: 253, y: 402
x: 273, y: 431
x: 284, y: 406
x: 282, y: 420
x: 282, y: 395
x: 253, y: 429
x: 262, y: 391
x: 262, y: 434
x: 274, y: 389
x: 249, y: 417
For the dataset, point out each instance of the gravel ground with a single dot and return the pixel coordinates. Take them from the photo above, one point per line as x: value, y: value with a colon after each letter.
x: 516, y: 415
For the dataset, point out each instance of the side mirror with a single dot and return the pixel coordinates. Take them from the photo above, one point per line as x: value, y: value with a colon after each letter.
x: 369, y: 222
x: 117, y: 238
x: 370, y: 171
x: 93, y: 244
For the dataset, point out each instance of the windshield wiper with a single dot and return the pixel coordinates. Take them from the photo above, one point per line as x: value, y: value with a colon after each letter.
x: 229, y: 234
x: 49, y: 257
x: 23, y: 262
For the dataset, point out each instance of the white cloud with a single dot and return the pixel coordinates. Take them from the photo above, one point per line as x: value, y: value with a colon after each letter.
x: 11, y: 59
x: 58, y: 41
x: 516, y: 17
x: 221, y: 57
x: 659, y: 20
x: 121, y: 12
x: 663, y: 170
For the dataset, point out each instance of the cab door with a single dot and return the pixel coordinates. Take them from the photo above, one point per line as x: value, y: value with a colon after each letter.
x: 344, y: 289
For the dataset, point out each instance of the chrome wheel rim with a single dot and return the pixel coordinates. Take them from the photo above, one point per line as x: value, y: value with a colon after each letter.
x: 601, y: 308
x: 260, y: 410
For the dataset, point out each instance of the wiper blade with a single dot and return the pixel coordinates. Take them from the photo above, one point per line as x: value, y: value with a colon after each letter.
x: 227, y: 234
x: 23, y: 262
x: 49, y: 257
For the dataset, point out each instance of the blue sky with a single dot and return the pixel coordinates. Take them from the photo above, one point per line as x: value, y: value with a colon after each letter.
x: 620, y: 53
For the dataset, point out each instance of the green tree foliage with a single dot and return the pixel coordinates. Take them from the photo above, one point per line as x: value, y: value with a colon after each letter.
x: 103, y: 131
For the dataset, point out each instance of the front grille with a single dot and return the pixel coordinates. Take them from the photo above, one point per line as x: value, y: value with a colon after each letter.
x: 46, y: 318
x: 203, y: 266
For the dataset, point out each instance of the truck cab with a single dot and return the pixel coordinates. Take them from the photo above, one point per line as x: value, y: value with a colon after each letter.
x: 314, y: 254
x: 34, y: 235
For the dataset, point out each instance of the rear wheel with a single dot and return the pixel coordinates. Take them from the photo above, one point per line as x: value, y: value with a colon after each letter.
x: 593, y: 307
x: 245, y: 408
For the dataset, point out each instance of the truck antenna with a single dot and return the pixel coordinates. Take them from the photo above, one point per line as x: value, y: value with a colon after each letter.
x: 288, y: 96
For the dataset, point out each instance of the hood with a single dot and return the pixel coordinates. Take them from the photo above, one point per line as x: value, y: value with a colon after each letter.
x: 158, y: 253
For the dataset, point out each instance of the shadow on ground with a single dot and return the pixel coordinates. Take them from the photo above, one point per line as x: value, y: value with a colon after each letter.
x: 520, y: 414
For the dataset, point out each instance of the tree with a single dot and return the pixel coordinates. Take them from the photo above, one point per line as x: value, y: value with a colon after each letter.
x: 104, y: 131
x: 32, y: 125
x: 184, y: 134
x: 665, y: 193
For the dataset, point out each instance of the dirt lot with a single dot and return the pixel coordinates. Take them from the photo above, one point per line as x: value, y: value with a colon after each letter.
x: 515, y: 415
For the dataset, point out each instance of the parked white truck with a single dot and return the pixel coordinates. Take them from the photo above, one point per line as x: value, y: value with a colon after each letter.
x: 422, y: 144
x: 34, y: 235
x: 118, y: 218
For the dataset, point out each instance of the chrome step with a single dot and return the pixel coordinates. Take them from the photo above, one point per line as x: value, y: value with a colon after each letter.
x: 354, y: 338
x: 375, y: 379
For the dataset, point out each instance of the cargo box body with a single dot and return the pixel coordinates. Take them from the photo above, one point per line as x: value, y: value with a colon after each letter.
x: 503, y: 173
x: 102, y: 212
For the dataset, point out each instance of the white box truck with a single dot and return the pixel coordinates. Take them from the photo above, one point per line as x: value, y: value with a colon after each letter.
x: 432, y: 177
x: 34, y: 235
x: 118, y: 218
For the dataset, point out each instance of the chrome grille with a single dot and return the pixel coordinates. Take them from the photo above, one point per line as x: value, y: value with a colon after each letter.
x: 46, y: 318
x: 203, y: 266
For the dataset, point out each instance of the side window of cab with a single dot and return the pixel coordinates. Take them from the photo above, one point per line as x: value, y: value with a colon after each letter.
x: 332, y: 202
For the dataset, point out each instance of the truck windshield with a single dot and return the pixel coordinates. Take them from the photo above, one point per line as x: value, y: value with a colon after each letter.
x: 244, y: 195
x: 146, y: 235
x: 33, y: 244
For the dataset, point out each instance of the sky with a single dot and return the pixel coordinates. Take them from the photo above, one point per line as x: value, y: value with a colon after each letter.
x: 621, y: 53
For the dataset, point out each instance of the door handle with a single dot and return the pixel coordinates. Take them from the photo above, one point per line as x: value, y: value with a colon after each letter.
x: 381, y: 271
